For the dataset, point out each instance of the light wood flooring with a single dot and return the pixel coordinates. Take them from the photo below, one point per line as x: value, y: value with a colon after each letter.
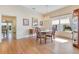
x: 30, y: 46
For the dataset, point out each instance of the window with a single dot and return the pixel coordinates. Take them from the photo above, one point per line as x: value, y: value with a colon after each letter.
x: 55, y: 22
x: 65, y: 21
x: 67, y: 28
x: 62, y: 23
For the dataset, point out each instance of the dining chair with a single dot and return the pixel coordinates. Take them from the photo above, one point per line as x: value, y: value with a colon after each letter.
x: 51, y: 34
x: 39, y: 35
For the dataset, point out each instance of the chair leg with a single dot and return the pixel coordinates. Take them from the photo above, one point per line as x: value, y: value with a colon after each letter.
x: 36, y: 38
x: 53, y: 36
x: 51, y: 39
x: 40, y: 40
x: 45, y: 40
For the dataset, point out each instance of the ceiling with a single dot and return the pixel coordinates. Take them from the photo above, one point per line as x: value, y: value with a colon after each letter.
x: 43, y: 9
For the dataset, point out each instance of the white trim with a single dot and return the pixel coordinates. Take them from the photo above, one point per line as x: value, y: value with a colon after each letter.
x: 26, y: 36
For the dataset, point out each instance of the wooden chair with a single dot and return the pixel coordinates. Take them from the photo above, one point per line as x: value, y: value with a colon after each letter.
x: 39, y: 35
x: 51, y: 34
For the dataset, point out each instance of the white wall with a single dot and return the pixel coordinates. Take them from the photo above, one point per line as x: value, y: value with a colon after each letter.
x: 20, y: 13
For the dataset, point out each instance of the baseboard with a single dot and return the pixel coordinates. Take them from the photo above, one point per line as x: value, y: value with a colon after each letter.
x: 64, y: 37
x: 27, y: 36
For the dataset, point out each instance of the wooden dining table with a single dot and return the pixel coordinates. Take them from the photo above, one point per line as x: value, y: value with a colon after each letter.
x: 46, y: 31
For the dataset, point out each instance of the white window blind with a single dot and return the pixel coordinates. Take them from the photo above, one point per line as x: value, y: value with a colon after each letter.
x: 55, y: 22
x: 64, y: 21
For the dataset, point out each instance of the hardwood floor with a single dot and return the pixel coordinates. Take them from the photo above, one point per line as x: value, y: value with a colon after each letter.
x: 30, y: 46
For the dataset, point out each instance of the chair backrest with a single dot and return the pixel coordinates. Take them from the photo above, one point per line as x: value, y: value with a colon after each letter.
x: 54, y: 29
x: 37, y: 30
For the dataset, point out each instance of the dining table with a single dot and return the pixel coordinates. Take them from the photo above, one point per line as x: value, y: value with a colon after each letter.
x: 46, y: 31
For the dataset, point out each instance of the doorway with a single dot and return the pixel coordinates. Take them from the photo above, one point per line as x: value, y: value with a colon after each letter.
x: 8, y: 27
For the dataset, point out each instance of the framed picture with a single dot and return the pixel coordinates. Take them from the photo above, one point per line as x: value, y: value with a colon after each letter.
x: 34, y: 22
x: 41, y: 23
x: 25, y: 22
